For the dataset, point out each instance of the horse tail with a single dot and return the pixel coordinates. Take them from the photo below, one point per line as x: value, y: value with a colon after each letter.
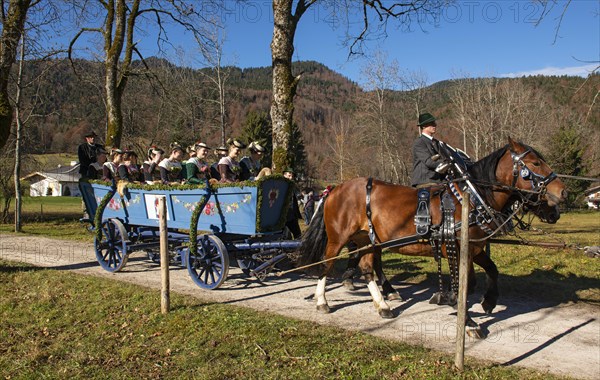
x: 314, y: 239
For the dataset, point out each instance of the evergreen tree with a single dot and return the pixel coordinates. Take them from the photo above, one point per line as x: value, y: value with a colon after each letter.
x: 298, y: 152
x: 566, y: 157
x: 258, y: 127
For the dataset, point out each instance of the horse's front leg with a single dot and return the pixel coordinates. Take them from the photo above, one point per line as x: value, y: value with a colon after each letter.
x: 473, y: 329
x: 322, y: 305
x: 490, y: 298
x: 331, y: 251
x: 389, y: 292
x: 366, y: 265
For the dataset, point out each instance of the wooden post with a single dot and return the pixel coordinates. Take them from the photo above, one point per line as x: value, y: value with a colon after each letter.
x: 463, y: 279
x: 164, y: 256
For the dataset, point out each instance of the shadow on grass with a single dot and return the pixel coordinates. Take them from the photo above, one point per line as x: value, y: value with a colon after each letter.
x: 9, y: 268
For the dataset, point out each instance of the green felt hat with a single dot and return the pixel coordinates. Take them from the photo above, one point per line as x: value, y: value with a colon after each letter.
x: 425, y: 119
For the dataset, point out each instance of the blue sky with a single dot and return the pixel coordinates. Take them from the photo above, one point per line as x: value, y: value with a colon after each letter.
x: 476, y: 38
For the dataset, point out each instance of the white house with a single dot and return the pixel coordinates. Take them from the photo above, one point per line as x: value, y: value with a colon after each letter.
x: 592, y: 196
x: 62, y: 181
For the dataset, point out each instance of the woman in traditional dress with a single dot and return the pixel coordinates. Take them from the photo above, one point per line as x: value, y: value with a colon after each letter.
x: 171, y: 168
x: 197, y: 169
x: 229, y: 168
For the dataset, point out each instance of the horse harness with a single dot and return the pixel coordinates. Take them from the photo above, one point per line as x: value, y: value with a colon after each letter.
x: 436, y: 235
x: 538, y: 182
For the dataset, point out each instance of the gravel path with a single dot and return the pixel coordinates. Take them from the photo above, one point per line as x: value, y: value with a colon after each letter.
x: 563, y: 339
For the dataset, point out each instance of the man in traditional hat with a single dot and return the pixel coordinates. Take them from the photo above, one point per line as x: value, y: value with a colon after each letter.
x: 294, y: 210
x: 88, y: 152
x: 426, y: 153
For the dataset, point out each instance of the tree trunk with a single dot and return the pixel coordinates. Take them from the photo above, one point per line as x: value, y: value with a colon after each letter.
x: 284, y: 84
x: 117, y: 70
x: 114, y: 128
x: 12, y: 28
x: 18, y: 139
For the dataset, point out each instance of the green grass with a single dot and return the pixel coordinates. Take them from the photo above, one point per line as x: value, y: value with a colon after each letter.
x: 49, y: 208
x: 51, y: 160
x: 56, y: 217
x: 62, y: 325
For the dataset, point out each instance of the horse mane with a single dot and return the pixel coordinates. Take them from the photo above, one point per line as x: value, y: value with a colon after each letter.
x: 484, y: 170
x: 484, y: 173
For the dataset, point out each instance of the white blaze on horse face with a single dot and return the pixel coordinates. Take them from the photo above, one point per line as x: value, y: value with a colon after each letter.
x: 320, y: 292
x: 378, y: 300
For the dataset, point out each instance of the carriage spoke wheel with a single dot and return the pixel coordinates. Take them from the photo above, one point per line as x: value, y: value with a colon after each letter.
x: 209, y: 265
x: 111, y: 250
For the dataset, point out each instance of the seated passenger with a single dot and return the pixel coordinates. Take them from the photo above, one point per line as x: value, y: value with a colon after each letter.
x: 171, y: 168
x: 109, y: 169
x: 191, y: 151
x: 95, y: 170
x: 251, y: 166
x: 220, y: 152
x: 129, y: 169
x: 150, y: 166
x: 229, y: 167
x: 196, y: 168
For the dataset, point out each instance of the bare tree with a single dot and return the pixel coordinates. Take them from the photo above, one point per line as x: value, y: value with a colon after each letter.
x: 118, y: 30
x: 345, y: 139
x: 415, y: 86
x: 488, y: 110
x: 18, y: 137
x: 375, y: 16
x: 216, y: 74
x: 13, y: 19
x: 381, y: 78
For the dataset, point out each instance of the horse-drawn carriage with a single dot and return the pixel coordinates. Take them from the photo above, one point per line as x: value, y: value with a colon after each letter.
x: 205, y: 225
x: 247, y: 221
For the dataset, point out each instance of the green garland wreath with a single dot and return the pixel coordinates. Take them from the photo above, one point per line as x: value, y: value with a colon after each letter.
x: 99, y: 212
x: 284, y: 210
x: 194, y: 224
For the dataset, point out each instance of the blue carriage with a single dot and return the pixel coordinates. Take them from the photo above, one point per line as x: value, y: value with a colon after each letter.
x: 206, y: 225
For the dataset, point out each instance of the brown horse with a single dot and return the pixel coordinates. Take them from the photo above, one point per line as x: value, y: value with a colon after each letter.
x: 342, y: 218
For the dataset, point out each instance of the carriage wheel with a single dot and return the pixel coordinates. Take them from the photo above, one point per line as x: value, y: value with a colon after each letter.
x: 209, y: 266
x: 111, y: 250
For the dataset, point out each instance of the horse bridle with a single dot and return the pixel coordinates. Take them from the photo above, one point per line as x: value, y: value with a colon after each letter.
x: 520, y: 168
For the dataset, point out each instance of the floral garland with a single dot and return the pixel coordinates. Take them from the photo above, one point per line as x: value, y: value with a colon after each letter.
x: 99, y: 212
x: 194, y: 224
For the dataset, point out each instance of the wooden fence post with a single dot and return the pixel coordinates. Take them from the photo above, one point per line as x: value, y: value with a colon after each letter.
x: 164, y: 256
x: 463, y: 279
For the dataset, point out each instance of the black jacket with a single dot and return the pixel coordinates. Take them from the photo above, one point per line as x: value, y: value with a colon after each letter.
x: 87, y: 155
x: 423, y: 166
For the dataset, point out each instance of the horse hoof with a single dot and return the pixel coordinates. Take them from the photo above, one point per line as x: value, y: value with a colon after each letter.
x: 394, y: 297
x: 386, y: 313
x: 349, y: 284
x: 324, y: 309
x: 488, y: 306
x: 475, y: 332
